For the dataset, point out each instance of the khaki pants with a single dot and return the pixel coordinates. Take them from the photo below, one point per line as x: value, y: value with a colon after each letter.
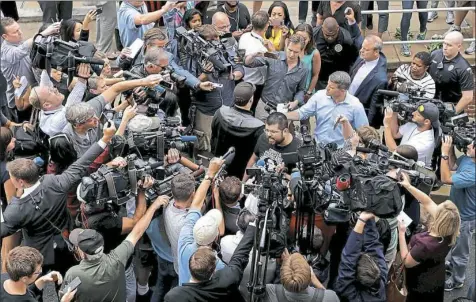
x: 203, y: 124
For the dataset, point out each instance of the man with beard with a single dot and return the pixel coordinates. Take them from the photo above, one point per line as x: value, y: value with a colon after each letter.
x: 421, y: 133
x: 338, y: 47
x: 274, y: 143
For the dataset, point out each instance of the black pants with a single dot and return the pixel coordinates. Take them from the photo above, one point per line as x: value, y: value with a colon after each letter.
x: 54, y: 11
x: 184, y: 102
x: 256, y: 97
x: 9, y: 9
x: 167, y: 279
x: 304, y: 6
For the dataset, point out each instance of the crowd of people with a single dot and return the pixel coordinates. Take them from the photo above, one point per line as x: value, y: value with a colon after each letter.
x: 194, y: 244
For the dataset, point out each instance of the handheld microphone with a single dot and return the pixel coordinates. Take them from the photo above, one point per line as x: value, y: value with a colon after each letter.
x: 228, y: 158
x: 260, y: 163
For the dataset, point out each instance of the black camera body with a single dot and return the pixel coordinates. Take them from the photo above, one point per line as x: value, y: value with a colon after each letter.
x: 52, y: 52
x: 461, y: 130
x: 211, y: 51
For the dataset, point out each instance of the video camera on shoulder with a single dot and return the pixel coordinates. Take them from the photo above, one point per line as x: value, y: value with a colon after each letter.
x: 52, y: 52
x: 461, y: 130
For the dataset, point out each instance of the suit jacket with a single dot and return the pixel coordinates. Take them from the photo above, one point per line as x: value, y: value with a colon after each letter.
x: 46, y: 205
x: 367, y: 91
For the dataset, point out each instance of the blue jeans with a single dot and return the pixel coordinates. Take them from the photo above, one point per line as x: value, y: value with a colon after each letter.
x: 406, y: 17
x: 382, y: 18
x: 458, y: 257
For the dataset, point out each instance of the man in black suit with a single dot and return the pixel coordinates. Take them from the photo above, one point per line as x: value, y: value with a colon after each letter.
x: 368, y: 74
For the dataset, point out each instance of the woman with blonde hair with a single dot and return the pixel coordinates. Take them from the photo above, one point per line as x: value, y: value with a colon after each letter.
x: 424, y: 257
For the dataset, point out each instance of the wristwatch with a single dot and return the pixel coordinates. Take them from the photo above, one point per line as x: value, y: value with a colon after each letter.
x: 445, y: 157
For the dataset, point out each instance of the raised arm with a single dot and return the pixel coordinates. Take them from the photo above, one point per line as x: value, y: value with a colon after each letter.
x: 75, y: 172
x: 425, y: 200
x: 240, y: 258
x: 144, y: 19
x: 77, y: 94
x: 373, y: 246
x: 202, y: 190
x: 112, y: 92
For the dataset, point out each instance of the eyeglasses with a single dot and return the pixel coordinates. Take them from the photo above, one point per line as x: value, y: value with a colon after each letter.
x: 224, y: 27
x: 38, y: 273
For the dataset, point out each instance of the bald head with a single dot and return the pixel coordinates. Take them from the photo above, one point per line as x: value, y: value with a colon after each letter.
x: 452, y: 44
x: 330, y: 24
x: 221, y: 22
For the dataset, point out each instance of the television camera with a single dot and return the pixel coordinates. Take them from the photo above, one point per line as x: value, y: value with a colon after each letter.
x: 219, y: 53
x: 406, y: 103
x: 461, y: 130
x: 52, y: 52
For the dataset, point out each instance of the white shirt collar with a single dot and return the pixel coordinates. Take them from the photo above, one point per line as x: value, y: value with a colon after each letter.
x: 28, y: 191
x: 372, y: 63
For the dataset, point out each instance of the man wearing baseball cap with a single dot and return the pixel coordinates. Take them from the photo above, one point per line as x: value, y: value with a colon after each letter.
x: 236, y: 126
x: 103, y: 276
x: 422, y: 132
x: 200, y: 231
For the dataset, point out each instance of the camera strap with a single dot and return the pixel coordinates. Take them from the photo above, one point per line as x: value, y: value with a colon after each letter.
x: 132, y: 172
x: 111, y: 187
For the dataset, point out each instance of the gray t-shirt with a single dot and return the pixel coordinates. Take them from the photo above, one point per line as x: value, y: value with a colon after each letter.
x: 103, y: 279
x: 174, y: 220
x: 306, y: 295
x: 83, y: 142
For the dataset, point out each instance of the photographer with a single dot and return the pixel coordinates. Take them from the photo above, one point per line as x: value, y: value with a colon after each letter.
x: 41, y: 210
x: 103, y: 273
x: 414, y: 75
x: 208, y: 103
x: 422, y: 132
x: 15, y: 59
x: 227, y: 197
x: 83, y: 118
x: 463, y: 194
x: 49, y: 100
x: 296, y: 280
x: 362, y: 270
x: 424, y: 257
x: 199, y: 232
x: 209, y: 282
x: 24, y: 267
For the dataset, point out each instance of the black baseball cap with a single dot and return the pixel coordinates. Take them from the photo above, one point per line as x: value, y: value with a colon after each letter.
x: 431, y: 112
x: 88, y: 240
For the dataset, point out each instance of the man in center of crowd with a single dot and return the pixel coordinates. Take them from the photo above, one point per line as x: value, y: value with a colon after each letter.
x: 328, y: 106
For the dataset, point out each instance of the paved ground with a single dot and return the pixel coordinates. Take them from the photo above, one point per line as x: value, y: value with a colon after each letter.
x: 30, y: 19
x: 30, y: 15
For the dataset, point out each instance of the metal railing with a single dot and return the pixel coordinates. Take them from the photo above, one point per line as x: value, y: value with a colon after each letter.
x: 397, y: 42
x: 417, y: 10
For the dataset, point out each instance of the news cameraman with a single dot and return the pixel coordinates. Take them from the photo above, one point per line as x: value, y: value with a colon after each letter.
x: 463, y: 194
x: 83, y: 118
x: 41, y: 210
x: 208, y: 103
x: 422, y: 132
x: 414, y: 75
x: 102, y: 273
x: 362, y: 270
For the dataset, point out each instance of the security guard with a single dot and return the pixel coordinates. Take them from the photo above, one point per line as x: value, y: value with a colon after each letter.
x: 452, y: 73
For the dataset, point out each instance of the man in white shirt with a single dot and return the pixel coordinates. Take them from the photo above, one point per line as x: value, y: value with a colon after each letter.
x: 421, y: 133
x: 253, y: 42
x: 229, y: 243
x: 415, y: 75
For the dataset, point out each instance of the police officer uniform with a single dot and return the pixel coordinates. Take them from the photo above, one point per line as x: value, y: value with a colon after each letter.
x: 451, y: 76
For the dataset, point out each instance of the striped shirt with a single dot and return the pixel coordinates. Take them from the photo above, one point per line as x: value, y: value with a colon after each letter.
x: 53, y: 122
x: 426, y: 83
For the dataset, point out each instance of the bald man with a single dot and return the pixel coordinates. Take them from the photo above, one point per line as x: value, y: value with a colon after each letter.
x: 338, y: 47
x: 459, y: 18
x: 221, y: 22
x: 452, y: 73
x: 368, y: 75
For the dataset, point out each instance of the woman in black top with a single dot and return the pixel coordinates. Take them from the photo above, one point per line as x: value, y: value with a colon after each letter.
x: 74, y: 30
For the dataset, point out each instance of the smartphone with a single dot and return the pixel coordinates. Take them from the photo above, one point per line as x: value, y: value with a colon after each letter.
x: 216, y: 85
x: 99, y: 10
x: 73, y: 284
x: 281, y: 108
x: 103, y: 119
x: 241, y: 53
x: 271, y: 55
x: 277, y: 22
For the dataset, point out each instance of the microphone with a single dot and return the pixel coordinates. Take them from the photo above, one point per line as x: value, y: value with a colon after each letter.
x: 388, y: 92
x: 87, y: 60
x: 228, y: 158
x: 260, y: 163
x: 364, y: 150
